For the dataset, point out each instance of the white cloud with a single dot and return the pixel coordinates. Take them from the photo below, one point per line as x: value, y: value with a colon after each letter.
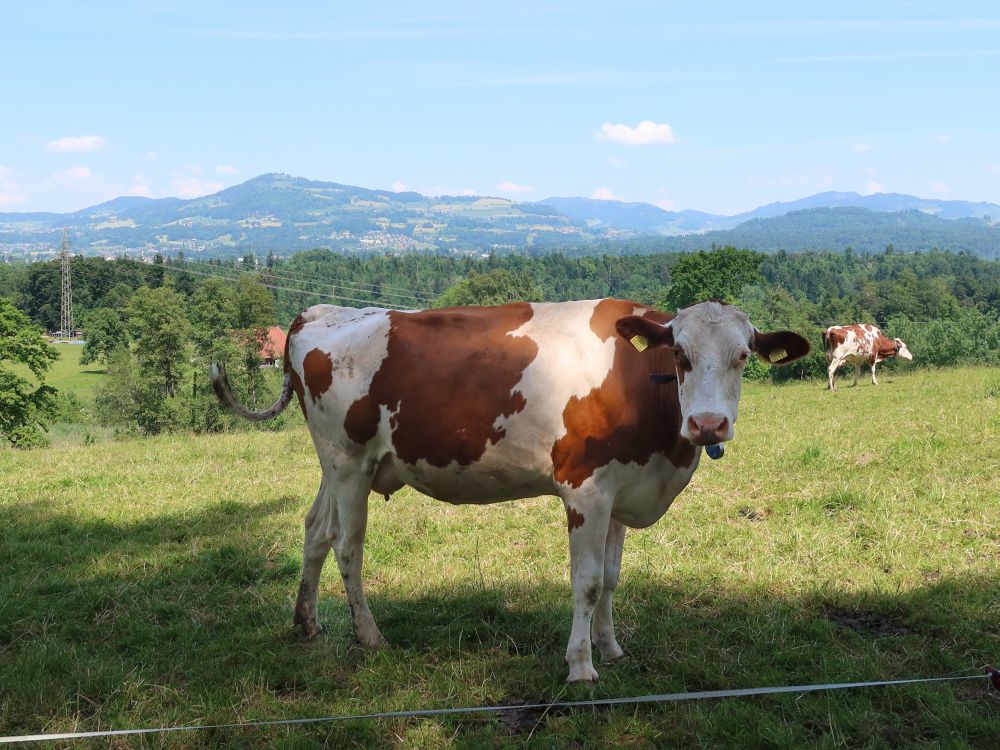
x: 871, y: 171
x: 10, y: 198
x: 192, y: 187
x: 603, y: 194
x: 513, y: 187
x: 874, y: 187
x: 862, y: 147
x: 666, y: 204
x: 468, y: 192
x: 617, y: 163
x: 226, y: 169
x: 149, y: 156
x: 399, y: 187
x: 938, y: 187
x: 993, y: 168
x: 643, y: 134
x: 77, y: 143
x: 940, y: 138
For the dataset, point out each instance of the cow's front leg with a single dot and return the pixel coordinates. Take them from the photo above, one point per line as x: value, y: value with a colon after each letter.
x: 588, y: 517
x: 602, y: 628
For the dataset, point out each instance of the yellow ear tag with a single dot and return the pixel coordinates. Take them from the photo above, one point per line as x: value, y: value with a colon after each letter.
x: 776, y: 355
x: 639, y: 342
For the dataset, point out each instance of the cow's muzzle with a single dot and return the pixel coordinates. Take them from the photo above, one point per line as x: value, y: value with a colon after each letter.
x: 708, y: 428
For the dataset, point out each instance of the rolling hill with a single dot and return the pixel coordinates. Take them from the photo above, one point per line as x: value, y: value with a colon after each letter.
x: 285, y: 214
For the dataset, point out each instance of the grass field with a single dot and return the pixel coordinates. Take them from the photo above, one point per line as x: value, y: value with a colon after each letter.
x: 67, y: 374
x: 845, y: 536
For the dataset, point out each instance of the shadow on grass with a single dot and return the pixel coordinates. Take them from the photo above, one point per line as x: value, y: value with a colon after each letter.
x: 187, y: 617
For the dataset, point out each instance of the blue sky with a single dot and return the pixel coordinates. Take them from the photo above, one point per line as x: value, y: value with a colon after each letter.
x: 717, y: 106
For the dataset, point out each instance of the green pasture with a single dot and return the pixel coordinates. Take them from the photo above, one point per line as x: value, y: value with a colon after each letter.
x: 68, y: 375
x: 845, y: 536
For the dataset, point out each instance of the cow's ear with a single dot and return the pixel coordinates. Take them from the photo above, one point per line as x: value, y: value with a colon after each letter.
x: 642, y: 333
x: 779, y: 347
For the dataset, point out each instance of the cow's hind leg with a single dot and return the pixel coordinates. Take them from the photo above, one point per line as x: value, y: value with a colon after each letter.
x: 874, y: 381
x: 832, y: 373
x: 588, y: 516
x: 602, y: 627
x: 352, y: 510
x: 321, y: 530
x: 857, y: 372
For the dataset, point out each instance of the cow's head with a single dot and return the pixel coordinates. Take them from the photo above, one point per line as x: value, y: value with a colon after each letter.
x: 711, y: 342
x: 901, y: 350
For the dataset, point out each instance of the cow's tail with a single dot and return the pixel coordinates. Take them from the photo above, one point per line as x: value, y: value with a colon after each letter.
x: 827, y: 346
x: 225, y: 393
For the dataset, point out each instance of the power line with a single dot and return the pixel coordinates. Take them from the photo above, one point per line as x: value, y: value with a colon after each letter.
x: 289, y: 289
x: 303, y: 277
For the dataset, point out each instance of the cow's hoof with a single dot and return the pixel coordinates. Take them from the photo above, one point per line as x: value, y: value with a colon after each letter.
x: 611, y: 654
x: 309, y: 629
x: 582, y: 673
x: 373, y: 642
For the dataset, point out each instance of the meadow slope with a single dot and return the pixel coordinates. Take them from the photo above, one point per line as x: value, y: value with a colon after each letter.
x: 845, y: 536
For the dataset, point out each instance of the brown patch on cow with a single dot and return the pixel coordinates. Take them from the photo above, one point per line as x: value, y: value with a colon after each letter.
x: 294, y: 328
x: 627, y: 418
x: 317, y: 369
x: 447, y: 377
x: 300, y: 391
x: 884, y: 347
x: 834, y: 338
x: 361, y: 422
x: 574, y: 518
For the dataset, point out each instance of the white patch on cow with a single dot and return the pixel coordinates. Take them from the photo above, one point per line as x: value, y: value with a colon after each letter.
x: 643, y: 493
x: 357, y: 341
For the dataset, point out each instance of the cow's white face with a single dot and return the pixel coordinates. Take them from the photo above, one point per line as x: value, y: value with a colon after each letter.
x: 711, y: 342
x: 901, y: 350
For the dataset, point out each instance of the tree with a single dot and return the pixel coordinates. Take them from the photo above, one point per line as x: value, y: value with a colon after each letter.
x: 496, y: 287
x: 105, y: 332
x: 160, y: 329
x: 718, y: 274
x: 25, y: 408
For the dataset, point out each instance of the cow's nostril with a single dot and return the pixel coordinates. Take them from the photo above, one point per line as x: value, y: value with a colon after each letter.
x: 705, y: 427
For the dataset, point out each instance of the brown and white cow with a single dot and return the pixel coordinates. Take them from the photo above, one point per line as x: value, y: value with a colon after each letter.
x: 485, y: 404
x: 859, y: 344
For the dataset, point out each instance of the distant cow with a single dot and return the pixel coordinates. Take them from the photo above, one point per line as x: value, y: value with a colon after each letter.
x: 859, y: 344
x: 485, y: 404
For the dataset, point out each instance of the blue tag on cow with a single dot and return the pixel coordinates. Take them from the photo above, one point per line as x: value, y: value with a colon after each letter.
x: 715, y: 451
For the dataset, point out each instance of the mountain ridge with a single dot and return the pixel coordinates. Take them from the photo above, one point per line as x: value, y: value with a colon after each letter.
x: 286, y: 213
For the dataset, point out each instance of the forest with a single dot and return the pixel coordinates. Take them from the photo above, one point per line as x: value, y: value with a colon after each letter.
x: 158, y: 326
